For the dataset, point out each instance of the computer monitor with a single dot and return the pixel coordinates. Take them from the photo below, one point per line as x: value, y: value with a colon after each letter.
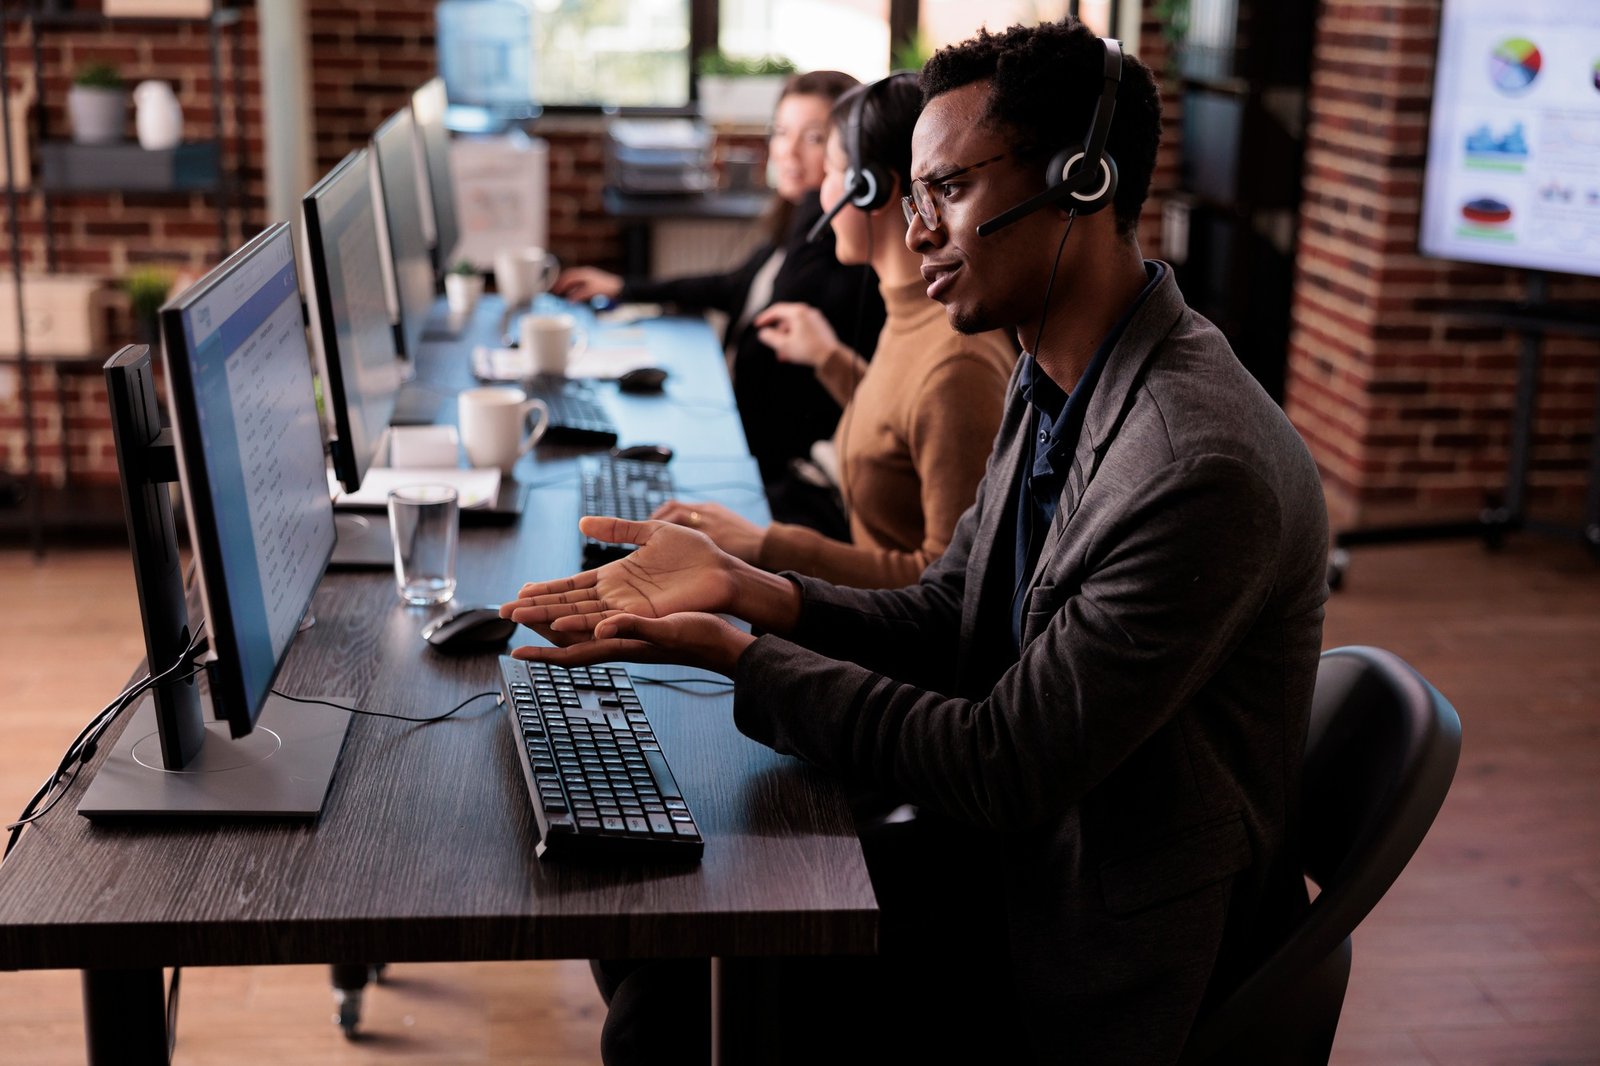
x: 248, y: 451
x: 355, y: 341
x: 406, y: 248
x: 428, y: 105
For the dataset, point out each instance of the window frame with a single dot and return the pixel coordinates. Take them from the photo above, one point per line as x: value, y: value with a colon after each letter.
x: 704, y: 29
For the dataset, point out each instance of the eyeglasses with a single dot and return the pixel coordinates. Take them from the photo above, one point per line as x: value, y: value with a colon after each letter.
x: 924, y: 204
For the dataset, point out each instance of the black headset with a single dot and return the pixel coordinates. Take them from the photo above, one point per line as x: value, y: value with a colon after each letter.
x: 1082, y: 173
x: 867, y: 185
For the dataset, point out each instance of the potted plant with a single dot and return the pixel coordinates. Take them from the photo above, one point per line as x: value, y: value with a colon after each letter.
x: 97, y: 105
x: 147, y: 288
x: 462, y: 287
x: 741, y: 90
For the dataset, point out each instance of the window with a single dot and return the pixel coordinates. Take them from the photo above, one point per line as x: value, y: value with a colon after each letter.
x: 847, y: 35
x: 505, y: 53
x: 631, y: 53
x: 949, y: 21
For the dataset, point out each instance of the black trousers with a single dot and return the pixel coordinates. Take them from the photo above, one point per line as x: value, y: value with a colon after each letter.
x: 938, y: 991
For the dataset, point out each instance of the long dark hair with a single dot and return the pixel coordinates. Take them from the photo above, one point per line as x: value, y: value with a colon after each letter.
x: 829, y: 85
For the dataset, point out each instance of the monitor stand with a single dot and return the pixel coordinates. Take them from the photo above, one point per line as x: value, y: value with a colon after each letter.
x: 363, y: 541
x: 282, y: 769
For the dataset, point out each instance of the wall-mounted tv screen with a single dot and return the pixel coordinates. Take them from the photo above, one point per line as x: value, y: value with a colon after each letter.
x: 1513, y: 174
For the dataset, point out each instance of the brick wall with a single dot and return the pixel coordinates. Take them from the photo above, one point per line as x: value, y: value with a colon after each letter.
x: 1155, y: 52
x: 1407, y: 410
x: 107, y: 233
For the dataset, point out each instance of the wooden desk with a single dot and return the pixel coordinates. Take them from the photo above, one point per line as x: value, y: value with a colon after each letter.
x: 424, y: 850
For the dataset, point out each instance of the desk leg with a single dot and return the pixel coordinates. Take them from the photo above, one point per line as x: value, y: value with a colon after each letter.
x: 125, y: 1017
x: 744, y: 1009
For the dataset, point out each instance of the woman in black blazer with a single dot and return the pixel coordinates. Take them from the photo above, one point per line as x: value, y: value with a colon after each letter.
x: 783, y: 407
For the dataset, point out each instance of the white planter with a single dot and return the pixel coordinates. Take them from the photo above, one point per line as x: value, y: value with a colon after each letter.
x: 461, y: 292
x: 743, y: 101
x: 98, y: 116
x: 157, y: 117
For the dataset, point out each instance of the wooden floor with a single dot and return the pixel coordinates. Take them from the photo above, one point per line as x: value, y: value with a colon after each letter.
x: 1487, y: 951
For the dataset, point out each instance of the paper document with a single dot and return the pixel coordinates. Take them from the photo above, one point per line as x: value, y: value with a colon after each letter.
x: 474, y: 487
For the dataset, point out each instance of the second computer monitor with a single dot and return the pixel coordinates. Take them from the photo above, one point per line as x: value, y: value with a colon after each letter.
x: 360, y: 374
x: 394, y: 147
x: 428, y: 106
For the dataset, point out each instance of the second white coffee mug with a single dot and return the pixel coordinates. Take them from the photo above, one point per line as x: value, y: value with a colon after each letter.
x: 520, y: 274
x: 494, y: 424
x: 549, y: 341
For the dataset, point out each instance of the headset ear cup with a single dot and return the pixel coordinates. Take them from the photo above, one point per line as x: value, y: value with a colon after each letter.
x: 1055, y: 172
x: 1103, y: 193
x: 871, y: 190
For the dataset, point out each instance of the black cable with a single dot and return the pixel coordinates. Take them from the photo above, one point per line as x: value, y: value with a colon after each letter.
x: 384, y: 714
x: 86, y: 743
x: 1044, y: 312
x: 677, y: 683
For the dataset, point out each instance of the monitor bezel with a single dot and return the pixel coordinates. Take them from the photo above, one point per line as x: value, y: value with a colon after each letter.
x: 348, y: 466
x: 428, y: 106
x: 229, y: 700
x: 409, y: 337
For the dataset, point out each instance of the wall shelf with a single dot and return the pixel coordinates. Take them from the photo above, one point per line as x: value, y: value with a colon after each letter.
x: 125, y: 167
x: 67, y: 169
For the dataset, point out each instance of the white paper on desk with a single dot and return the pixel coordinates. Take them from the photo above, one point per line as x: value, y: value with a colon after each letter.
x: 511, y: 364
x: 474, y: 487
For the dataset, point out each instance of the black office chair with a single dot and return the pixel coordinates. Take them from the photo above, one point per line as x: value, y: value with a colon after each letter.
x: 1381, y: 750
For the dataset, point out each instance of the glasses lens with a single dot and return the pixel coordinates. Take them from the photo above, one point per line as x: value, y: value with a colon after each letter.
x: 907, y: 209
x: 923, y: 200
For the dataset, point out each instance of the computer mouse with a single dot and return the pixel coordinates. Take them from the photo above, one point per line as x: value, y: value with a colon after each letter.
x: 469, y: 629
x: 642, y: 379
x: 650, y: 453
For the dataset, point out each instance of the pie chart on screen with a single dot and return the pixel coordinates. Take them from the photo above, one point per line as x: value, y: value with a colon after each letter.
x: 1514, y: 64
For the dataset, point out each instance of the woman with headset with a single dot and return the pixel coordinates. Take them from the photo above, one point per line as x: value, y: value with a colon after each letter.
x: 783, y: 407
x: 920, y: 418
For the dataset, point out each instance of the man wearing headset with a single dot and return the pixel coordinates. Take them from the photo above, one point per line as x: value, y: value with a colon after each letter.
x: 1097, y: 698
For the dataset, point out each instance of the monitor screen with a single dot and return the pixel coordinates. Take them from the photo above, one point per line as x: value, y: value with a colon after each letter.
x: 439, y: 206
x: 394, y: 146
x: 360, y: 373
x: 250, y: 455
x: 1511, y: 177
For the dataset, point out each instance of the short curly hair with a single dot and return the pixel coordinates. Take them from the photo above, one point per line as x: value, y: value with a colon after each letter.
x: 1044, y: 83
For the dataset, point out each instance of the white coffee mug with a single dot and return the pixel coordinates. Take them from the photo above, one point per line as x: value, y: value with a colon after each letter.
x: 520, y: 274
x: 549, y: 341
x: 494, y: 421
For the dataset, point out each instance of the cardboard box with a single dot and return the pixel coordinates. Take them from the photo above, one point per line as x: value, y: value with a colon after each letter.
x: 66, y: 316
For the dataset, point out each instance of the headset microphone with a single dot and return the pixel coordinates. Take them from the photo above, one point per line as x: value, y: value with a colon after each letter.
x: 822, y: 223
x: 1072, y: 173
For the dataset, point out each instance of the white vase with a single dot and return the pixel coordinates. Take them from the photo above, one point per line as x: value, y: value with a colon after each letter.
x: 461, y: 292
x: 158, y: 118
x: 98, y: 116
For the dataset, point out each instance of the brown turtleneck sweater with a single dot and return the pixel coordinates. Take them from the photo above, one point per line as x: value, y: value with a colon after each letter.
x: 912, y: 445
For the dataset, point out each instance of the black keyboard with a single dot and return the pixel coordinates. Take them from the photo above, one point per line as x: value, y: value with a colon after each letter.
x: 624, y: 488
x: 594, y: 768
x: 576, y: 418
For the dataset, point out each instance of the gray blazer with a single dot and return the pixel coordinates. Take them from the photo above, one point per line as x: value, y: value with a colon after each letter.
x: 1138, y: 767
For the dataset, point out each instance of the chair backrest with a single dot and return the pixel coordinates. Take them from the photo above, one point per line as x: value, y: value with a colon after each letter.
x: 1381, y: 750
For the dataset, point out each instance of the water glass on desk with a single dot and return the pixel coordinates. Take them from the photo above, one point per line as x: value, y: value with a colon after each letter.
x: 424, y: 521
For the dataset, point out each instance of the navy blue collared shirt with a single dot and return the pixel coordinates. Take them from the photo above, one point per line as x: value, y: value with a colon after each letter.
x: 1055, y: 423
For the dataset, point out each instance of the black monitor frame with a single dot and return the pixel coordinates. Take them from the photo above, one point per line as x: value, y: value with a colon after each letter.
x: 226, y: 676
x: 428, y: 106
x: 352, y: 453
x: 413, y: 290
